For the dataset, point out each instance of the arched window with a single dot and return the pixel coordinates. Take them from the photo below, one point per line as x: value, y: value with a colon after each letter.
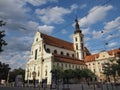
x: 55, y: 51
x: 62, y: 53
x: 48, y: 50
x: 73, y: 55
x: 67, y: 54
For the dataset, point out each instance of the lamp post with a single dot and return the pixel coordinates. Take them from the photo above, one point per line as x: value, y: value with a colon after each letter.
x: 8, y: 76
x: 34, y: 76
x: 27, y: 77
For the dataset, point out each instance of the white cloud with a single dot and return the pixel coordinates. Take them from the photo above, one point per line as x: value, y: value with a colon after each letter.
x: 112, y: 24
x: 86, y: 39
x: 15, y: 59
x: 74, y: 6
x: 97, y: 34
x: 39, y: 2
x: 111, y: 36
x: 32, y: 25
x: 71, y: 37
x: 52, y: 15
x: 45, y: 29
x: 109, y: 26
x: 64, y: 31
x: 95, y: 51
x: 86, y: 31
x: 83, y: 6
x: 13, y: 9
x: 96, y: 14
x: 112, y: 44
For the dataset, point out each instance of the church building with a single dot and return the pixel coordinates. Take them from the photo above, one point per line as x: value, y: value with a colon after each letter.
x: 48, y: 51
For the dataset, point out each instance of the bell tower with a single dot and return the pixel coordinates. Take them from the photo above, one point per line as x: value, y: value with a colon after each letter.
x: 78, y: 41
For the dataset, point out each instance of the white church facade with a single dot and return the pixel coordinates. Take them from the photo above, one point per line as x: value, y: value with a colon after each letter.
x: 48, y: 51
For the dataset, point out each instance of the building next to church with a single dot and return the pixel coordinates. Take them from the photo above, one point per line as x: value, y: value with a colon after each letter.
x: 97, y: 61
x: 48, y: 51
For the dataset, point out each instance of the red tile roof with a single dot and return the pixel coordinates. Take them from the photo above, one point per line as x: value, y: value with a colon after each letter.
x: 92, y: 57
x: 65, y: 59
x: 57, y: 42
x: 115, y: 51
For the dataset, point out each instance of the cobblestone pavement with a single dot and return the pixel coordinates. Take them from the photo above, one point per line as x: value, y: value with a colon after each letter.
x: 71, y: 87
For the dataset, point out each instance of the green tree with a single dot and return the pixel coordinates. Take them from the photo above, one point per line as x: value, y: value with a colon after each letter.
x: 4, y: 70
x: 57, y: 73
x: 87, y: 74
x: 78, y: 74
x: 16, y: 72
x: 2, y: 34
x: 68, y: 74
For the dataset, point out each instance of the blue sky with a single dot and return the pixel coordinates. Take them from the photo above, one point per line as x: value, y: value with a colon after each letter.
x: 99, y: 21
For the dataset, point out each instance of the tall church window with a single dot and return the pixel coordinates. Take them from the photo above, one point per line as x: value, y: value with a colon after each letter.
x: 62, y: 53
x: 55, y: 51
x: 77, y: 55
x: 39, y: 49
x: 81, y: 39
x: 76, y: 46
x: 76, y: 39
x: 82, y: 46
x: 38, y: 73
x: 45, y: 72
x: 35, y: 54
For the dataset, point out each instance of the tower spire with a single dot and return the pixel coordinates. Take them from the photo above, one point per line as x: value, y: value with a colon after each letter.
x: 77, y: 28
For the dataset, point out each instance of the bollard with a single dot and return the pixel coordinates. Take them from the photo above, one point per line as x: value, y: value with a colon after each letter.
x: 82, y: 87
x: 94, y: 86
x: 101, y: 86
x: 112, y: 86
x: 107, y: 87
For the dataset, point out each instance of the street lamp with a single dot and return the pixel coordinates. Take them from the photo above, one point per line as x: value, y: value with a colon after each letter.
x: 34, y: 76
x: 27, y: 77
x: 8, y: 76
